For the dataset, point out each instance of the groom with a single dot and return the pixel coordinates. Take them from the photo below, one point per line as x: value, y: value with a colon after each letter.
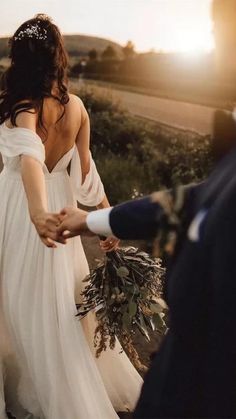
x: 193, y: 375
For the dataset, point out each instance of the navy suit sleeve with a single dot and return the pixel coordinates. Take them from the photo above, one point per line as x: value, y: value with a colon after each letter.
x: 140, y: 219
x: 136, y: 220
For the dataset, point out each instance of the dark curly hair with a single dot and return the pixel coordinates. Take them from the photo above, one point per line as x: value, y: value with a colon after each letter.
x: 38, y: 63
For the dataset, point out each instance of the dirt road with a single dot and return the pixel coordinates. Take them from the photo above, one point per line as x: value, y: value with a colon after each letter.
x: 177, y: 114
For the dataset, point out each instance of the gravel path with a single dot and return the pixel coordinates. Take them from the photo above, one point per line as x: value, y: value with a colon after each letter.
x: 174, y: 113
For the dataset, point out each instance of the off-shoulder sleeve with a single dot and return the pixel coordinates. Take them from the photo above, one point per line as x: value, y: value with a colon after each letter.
x: 91, y: 192
x: 21, y: 141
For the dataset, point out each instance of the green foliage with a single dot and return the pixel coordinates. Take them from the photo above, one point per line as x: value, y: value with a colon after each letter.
x: 109, y: 53
x: 76, y: 69
x: 96, y: 103
x: 128, y: 50
x: 125, y: 291
x: 93, y: 55
x: 123, y: 178
x: 4, y: 49
x: 135, y: 156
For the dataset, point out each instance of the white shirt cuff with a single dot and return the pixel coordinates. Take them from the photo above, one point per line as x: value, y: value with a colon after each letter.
x: 99, y: 222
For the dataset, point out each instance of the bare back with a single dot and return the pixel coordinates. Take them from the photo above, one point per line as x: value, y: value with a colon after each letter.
x: 61, y: 135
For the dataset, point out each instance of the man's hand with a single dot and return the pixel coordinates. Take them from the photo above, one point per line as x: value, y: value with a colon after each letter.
x: 73, y: 223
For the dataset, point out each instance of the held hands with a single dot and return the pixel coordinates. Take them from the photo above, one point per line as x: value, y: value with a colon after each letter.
x: 73, y: 223
x: 46, y: 225
x: 69, y: 223
x: 53, y: 228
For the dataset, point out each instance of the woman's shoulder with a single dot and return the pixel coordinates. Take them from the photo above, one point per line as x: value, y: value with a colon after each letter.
x: 77, y: 105
x: 75, y: 100
x: 25, y: 119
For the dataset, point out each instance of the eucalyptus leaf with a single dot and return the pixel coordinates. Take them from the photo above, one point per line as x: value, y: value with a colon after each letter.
x: 123, y: 308
x: 132, y: 308
x: 155, y: 299
x: 144, y: 293
x: 116, y: 290
x: 158, y: 321
x: 122, y: 272
x: 126, y: 320
x: 137, y: 259
x: 151, y: 323
x: 143, y: 330
x: 156, y: 308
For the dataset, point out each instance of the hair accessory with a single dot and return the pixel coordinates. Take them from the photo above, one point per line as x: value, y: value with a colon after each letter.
x: 32, y: 31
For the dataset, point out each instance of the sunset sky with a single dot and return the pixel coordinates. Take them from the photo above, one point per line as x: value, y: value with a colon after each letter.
x: 168, y: 25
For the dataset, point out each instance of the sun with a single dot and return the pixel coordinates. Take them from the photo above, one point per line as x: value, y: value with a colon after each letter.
x: 190, y: 38
x: 179, y: 26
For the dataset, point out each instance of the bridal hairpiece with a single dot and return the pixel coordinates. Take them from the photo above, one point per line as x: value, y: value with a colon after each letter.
x: 32, y: 31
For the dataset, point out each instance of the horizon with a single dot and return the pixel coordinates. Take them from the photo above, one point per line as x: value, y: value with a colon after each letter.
x: 159, y: 25
x: 149, y: 51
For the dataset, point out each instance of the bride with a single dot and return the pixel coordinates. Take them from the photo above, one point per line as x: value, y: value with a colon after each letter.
x: 47, y: 363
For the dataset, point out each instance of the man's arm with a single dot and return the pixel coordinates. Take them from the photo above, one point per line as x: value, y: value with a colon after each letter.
x: 135, y: 220
x: 132, y: 220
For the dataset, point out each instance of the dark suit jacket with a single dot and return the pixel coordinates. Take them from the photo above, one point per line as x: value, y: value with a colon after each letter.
x: 193, y: 375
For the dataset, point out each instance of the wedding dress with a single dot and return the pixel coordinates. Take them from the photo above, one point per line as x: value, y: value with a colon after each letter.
x: 47, y: 364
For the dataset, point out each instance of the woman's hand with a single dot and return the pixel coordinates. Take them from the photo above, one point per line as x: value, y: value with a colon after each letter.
x: 46, y: 226
x: 109, y: 244
x: 73, y: 223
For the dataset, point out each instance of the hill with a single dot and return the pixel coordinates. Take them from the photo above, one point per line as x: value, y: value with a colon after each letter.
x: 81, y: 44
x: 76, y: 45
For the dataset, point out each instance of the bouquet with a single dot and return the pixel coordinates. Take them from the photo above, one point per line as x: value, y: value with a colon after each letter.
x: 125, y: 293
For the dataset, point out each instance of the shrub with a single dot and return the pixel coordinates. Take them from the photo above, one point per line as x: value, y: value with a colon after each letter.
x: 123, y: 178
x: 135, y: 157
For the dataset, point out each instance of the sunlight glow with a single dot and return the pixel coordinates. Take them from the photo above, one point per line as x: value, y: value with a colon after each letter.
x: 179, y: 26
x: 189, y: 39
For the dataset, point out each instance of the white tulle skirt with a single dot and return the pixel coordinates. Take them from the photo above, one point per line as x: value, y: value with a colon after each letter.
x: 47, y: 365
